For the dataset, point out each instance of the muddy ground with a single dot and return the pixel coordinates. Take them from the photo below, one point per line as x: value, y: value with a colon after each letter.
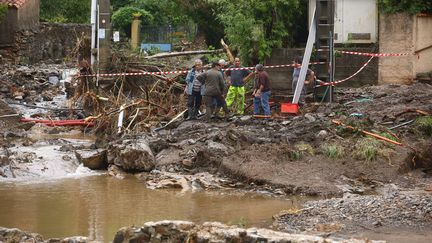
x: 306, y: 154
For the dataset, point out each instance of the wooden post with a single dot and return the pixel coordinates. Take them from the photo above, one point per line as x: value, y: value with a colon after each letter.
x: 135, y: 32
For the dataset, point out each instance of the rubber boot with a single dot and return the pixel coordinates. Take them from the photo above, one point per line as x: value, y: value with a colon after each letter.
x: 190, y: 114
x: 208, y: 114
x: 216, y: 112
x: 226, y: 110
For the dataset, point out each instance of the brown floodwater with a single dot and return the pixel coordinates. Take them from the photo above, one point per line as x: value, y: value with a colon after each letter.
x: 97, y: 206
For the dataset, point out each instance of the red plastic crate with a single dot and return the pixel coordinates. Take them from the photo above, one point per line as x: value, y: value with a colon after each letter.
x: 289, y: 108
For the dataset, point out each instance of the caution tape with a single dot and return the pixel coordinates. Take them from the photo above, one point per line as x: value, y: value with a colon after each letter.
x: 369, y: 54
x: 375, y: 54
x: 350, y: 77
x: 183, y: 71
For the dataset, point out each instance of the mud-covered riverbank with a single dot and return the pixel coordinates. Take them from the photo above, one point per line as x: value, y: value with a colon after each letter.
x: 308, y: 154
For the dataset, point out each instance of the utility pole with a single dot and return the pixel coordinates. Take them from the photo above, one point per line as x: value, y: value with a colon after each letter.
x: 93, y: 21
x: 101, y: 36
x: 325, y: 46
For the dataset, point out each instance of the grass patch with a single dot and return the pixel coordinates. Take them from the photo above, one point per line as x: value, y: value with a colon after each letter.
x: 333, y: 151
x: 367, y: 149
x: 424, y: 125
x: 388, y: 135
x: 300, y: 150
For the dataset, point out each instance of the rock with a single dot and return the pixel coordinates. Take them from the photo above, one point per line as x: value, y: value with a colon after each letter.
x: 322, y: 134
x: 310, y: 117
x: 116, y: 172
x: 131, y: 155
x: 218, y: 147
x: 54, y: 80
x: 187, y: 162
x: 16, y: 235
x: 185, y: 231
x: 93, y: 159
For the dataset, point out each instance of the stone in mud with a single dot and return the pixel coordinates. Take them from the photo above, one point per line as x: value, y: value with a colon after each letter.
x: 184, y: 231
x: 132, y: 155
x: 16, y: 235
x: 93, y: 159
x: 116, y: 172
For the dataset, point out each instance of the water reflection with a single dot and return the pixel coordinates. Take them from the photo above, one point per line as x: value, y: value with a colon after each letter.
x: 98, y: 206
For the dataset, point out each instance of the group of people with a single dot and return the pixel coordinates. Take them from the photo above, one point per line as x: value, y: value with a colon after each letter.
x: 212, y: 86
x: 219, y: 89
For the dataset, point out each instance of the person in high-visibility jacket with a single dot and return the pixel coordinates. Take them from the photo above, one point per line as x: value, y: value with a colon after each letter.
x: 235, y: 99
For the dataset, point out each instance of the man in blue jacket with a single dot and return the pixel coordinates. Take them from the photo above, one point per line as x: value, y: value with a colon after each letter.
x: 194, y: 89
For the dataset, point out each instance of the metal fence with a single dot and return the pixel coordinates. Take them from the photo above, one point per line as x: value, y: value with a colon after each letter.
x: 167, y: 34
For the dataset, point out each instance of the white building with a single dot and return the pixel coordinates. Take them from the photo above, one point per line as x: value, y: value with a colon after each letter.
x: 356, y: 21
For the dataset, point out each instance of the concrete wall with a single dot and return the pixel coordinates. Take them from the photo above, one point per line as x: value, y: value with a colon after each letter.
x: 423, y: 44
x: 345, y: 66
x: 28, y: 15
x: 403, y: 33
x: 396, y: 36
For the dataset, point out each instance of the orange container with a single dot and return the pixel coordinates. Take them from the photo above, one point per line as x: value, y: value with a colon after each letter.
x: 289, y: 108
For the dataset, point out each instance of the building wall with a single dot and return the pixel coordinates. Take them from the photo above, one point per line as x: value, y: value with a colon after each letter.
x: 423, y: 44
x: 355, y: 21
x: 28, y: 15
x: 346, y: 65
x: 8, y: 27
x: 403, y: 33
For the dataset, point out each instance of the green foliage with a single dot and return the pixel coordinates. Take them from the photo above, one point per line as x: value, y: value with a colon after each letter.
x: 163, y: 11
x: 255, y: 27
x: 424, y: 125
x: 406, y: 6
x: 122, y: 18
x: 69, y: 11
x: 333, y: 151
x: 3, y: 11
x: 367, y: 149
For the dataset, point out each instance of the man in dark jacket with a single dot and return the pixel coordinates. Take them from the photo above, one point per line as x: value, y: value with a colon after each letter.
x: 261, y: 91
x: 214, y: 88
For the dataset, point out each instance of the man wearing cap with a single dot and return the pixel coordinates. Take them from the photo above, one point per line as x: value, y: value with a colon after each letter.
x: 261, y: 91
x: 214, y: 88
x: 194, y: 89
x: 236, y: 92
x: 310, y: 76
x: 218, y: 105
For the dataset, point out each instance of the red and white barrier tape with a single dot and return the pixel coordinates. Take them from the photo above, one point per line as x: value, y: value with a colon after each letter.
x: 375, y: 54
x: 369, y: 54
x: 184, y: 71
x: 350, y: 77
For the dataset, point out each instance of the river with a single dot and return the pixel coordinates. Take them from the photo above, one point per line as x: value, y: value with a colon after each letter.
x: 98, y: 205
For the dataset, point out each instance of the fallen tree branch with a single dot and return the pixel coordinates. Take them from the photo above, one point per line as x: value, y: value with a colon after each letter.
x: 227, y: 50
x: 183, y: 53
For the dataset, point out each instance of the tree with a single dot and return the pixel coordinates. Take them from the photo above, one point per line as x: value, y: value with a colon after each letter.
x: 122, y: 18
x: 407, y: 6
x: 68, y: 11
x: 205, y: 14
x: 255, y: 27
